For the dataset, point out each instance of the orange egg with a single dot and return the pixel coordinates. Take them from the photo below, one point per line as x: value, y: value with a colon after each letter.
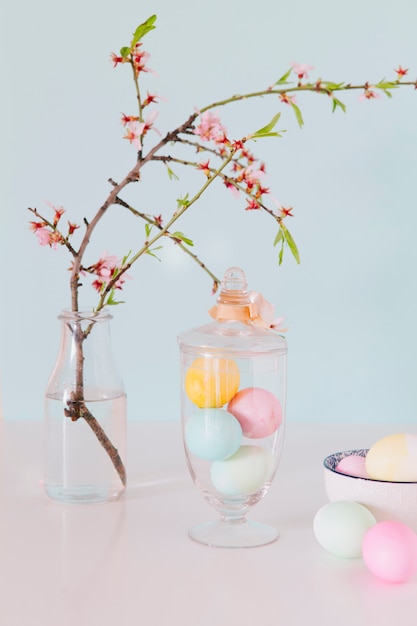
x: 210, y: 382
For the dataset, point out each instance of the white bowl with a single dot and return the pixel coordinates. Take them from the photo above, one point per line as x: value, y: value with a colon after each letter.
x: 386, y: 500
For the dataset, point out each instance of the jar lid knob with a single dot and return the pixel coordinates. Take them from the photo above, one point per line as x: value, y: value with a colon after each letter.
x: 234, y: 287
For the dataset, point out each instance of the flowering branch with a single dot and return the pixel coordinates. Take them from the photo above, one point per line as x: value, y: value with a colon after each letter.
x: 210, y: 138
x: 239, y: 170
x: 156, y: 221
x: 183, y: 205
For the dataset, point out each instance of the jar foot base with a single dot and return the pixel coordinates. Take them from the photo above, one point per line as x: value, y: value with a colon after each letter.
x: 242, y: 534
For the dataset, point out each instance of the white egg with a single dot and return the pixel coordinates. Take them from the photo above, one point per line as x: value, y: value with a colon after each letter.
x: 243, y: 473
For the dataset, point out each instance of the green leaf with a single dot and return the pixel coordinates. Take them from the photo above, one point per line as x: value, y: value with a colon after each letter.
x: 283, y: 79
x: 148, y: 229
x: 111, y: 301
x: 291, y: 243
x: 384, y: 84
x: 255, y: 137
x: 152, y: 252
x: 125, y: 51
x: 265, y: 131
x: 279, y: 237
x: 331, y: 85
x: 338, y: 103
x: 171, y: 174
x: 298, y: 114
x: 281, y: 253
x: 183, y: 202
x: 182, y: 237
x: 143, y: 29
x: 125, y: 258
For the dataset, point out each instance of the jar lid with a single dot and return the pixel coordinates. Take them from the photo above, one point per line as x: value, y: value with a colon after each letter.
x: 244, y: 323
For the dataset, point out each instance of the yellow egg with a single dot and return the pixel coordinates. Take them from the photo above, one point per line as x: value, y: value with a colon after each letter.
x: 393, y: 458
x: 210, y: 382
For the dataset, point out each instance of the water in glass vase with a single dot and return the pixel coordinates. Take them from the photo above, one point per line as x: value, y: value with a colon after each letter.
x: 85, y: 457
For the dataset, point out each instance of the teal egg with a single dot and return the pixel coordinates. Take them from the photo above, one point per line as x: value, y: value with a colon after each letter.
x: 213, y: 434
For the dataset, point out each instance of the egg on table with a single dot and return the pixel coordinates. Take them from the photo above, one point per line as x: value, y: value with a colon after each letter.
x: 341, y: 526
x: 390, y: 551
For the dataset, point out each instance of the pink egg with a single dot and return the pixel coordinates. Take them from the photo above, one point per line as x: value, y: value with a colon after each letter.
x: 353, y: 465
x: 389, y: 550
x: 258, y: 411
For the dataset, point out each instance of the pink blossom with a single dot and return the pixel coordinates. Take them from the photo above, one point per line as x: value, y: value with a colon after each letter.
x: 140, y: 59
x: 151, y: 98
x: 106, y: 265
x: 72, y: 228
x: 55, y: 238
x: 264, y: 309
x: 115, y: 59
x: 133, y: 134
x: 277, y: 324
x: 252, y: 205
x: 286, y: 211
x: 287, y: 99
x: 254, y: 175
x: 34, y: 226
x: 301, y: 70
x: 136, y: 130
x: 264, y: 312
x: 283, y: 211
x: 98, y: 285
x: 369, y: 94
x: 105, y: 269
x: 148, y: 123
x: 204, y: 167
x: 47, y: 237
x: 210, y: 127
x: 121, y: 281
x: 43, y: 235
x: 245, y: 154
x: 401, y: 72
x: 232, y: 188
x: 126, y: 119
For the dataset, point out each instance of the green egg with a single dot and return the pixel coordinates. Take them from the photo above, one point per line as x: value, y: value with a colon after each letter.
x: 340, y: 527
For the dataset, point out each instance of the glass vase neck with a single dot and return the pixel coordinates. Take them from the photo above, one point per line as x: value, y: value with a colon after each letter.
x: 85, y: 314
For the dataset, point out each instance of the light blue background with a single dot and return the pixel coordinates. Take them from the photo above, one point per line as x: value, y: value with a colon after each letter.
x: 351, y: 305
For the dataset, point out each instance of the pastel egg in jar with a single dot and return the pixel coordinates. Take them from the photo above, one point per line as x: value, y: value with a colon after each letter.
x: 257, y: 410
x: 213, y: 434
x: 210, y: 382
x: 244, y: 473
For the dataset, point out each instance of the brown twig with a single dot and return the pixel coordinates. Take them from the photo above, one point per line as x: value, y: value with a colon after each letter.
x: 78, y: 410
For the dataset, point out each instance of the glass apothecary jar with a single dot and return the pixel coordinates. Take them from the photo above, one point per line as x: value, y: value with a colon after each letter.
x: 233, y: 392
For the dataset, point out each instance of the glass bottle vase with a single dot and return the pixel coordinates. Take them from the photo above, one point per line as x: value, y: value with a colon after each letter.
x: 85, y: 414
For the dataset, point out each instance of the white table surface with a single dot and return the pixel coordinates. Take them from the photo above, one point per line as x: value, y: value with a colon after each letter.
x: 131, y: 562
